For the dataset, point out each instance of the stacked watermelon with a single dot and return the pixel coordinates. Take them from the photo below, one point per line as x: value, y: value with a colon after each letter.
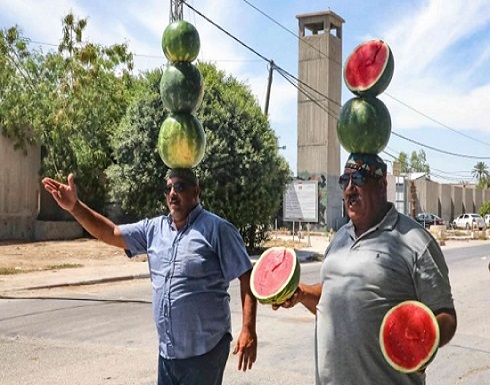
x: 364, y: 124
x: 181, y: 140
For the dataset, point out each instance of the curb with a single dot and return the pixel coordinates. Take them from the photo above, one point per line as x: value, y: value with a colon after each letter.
x: 82, y: 283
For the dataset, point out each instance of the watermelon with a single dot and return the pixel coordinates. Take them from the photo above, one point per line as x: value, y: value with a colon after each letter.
x: 364, y: 125
x: 275, y: 275
x: 181, y: 87
x: 409, y: 336
x: 369, y: 68
x: 180, y: 42
x: 181, y: 141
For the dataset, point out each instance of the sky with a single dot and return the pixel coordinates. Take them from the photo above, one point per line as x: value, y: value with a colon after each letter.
x: 438, y: 98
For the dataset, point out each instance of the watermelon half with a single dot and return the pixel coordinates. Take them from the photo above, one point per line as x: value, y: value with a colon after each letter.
x: 409, y: 336
x: 275, y: 276
x: 369, y: 68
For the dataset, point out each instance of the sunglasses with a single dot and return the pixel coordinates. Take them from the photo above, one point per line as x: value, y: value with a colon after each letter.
x: 178, y: 187
x: 358, y: 178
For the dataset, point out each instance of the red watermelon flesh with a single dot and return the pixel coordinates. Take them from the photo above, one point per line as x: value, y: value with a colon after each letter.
x: 369, y: 68
x: 409, y: 336
x: 275, y: 276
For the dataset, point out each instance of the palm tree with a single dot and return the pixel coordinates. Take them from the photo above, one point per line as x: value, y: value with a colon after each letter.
x: 481, y: 173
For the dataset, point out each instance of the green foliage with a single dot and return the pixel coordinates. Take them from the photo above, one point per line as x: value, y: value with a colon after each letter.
x: 403, y: 159
x: 70, y: 101
x: 484, y: 209
x: 418, y: 162
x: 242, y: 176
x: 19, y: 89
x: 481, y: 173
x: 138, y: 174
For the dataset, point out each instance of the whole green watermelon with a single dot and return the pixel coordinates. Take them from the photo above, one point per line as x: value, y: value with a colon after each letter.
x: 181, y: 87
x: 364, y: 125
x: 181, y: 42
x: 181, y: 141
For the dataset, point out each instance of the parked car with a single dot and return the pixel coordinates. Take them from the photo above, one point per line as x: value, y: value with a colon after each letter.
x: 428, y: 219
x: 469, y: 221
x: 486, y: 218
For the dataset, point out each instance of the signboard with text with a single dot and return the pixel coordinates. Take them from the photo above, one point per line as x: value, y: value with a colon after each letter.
x: 301, y: 201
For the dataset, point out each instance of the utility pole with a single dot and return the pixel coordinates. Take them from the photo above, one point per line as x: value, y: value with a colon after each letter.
x: 176, y: 10
x: 269, y: 84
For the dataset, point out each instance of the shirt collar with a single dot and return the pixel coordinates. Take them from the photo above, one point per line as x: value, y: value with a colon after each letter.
x: 191, y: 217
x: 387, y: 223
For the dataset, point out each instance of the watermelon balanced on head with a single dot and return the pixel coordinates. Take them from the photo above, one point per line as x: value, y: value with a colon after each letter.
x: 181, y: 141
x: 409, y: 336
x: 369, y: 68
x: 364, y: 125
x: 275, y: 276
x: 180, y: 42
x: 181, y: 87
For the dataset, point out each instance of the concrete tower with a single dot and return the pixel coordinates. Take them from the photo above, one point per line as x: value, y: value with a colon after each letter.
x: 319, y: 102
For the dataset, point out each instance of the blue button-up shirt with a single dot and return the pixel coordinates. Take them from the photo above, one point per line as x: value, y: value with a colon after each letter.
x: 190, y: 272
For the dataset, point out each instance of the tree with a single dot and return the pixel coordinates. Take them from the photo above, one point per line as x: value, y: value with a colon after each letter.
x: 242, y: 175
x: 481, y: 173
x: 418, y: 162
x: 403, y: 159
x: 70, y: 101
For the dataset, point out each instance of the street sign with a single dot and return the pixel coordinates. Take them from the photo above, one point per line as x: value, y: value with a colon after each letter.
x: 301, y: 201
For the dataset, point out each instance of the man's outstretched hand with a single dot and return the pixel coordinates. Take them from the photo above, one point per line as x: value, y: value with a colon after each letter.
x: 64, y: 194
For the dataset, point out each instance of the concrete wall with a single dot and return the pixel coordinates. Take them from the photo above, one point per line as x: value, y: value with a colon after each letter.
x: 468, y: 205
x: 21, y: 199
x: 445, y: 200
x: 19, y: 190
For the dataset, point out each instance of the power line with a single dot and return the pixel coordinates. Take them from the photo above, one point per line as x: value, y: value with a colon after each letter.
x: 434, y: 120
x: 439, y: 150
x: 389, y: 95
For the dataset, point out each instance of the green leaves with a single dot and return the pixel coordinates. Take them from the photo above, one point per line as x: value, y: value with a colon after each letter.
x: 242, y: 176
x: 70, y: 101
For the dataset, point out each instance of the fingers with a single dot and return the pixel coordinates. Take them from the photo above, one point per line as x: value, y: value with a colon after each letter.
x: 246, y: 355
x: 71, y: 181
x: 50, y: 184
x: 246, y: 358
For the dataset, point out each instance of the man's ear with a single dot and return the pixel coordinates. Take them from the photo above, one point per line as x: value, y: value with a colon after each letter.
x: 383, y: 183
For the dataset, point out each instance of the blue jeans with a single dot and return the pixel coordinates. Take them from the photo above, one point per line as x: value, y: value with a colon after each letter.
x: 206, y: 369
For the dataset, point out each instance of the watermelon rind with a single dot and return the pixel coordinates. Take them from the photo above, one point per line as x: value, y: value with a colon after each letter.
x: 409, y: 362
x: 364, y: 125
x: 181, y: 42
x: 181, y: 87
x: 369, y: 69
x: 289, y: 286
x: 181, y: 141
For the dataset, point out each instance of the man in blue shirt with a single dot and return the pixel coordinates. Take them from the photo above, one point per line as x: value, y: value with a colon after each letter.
x: 192, y: 255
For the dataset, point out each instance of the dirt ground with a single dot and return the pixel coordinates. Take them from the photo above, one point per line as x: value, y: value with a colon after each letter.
x: 24, y: 257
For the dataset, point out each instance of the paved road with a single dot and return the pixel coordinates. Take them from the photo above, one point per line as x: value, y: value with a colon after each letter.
x: 109, y: 337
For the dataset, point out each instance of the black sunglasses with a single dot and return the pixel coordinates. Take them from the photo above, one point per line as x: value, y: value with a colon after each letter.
x: 178, y: 187
x: 358, y: 178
